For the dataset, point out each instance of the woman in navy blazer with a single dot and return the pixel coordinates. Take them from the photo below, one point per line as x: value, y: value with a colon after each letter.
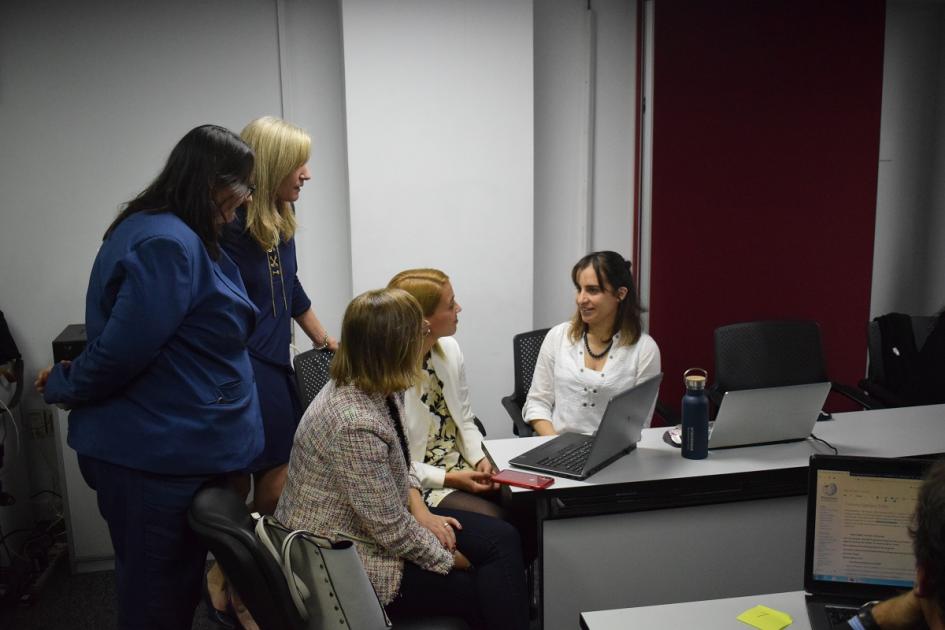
x: 162, y: 398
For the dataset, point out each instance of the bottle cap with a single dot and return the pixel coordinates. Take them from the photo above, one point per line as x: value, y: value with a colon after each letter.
x: 695, y: 378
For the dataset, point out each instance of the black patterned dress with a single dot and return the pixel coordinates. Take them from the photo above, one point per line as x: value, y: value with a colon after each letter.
x: 441, y: 448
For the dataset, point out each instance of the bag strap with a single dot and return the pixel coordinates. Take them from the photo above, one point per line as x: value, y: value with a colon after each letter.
x: 297, y: 589
x: 263, y: 535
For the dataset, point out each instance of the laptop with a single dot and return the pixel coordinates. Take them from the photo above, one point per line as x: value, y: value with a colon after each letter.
x: 858, y: 546
x: 578, y: 456
x: 768, y: 415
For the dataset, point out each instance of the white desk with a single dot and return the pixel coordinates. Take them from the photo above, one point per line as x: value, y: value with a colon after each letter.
x: 714, y: 614
x: 653, y: 528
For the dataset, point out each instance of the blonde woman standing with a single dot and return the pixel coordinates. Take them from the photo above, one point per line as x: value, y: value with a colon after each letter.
x: 260, y: 241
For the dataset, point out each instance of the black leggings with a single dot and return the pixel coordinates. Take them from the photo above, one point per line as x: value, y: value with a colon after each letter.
x: 482, y: 504
x: 492, y: 594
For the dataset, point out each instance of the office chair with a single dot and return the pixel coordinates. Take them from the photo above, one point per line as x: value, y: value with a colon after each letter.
x: 525, y: 347
x: 311, y: 373
x: 905, y: 336
x: 221, y: 519
x: 774, y: 353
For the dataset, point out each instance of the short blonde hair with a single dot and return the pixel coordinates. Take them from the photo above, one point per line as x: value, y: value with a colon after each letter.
x: 381, y: 338
x: 424, y: 284
x: 280, y: 148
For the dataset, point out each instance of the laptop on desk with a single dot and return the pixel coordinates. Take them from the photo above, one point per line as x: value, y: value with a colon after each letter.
x: 768, y: 415
x: 858, y: 546
x: 578, y: 456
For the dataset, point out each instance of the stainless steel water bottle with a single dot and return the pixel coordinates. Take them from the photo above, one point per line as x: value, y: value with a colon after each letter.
x: 695, y: 415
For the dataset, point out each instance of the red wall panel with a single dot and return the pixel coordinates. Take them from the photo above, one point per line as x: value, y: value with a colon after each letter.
x: 765, y: 152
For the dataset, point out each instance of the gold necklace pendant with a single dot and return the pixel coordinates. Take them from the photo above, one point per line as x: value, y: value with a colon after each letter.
x: 275, y: 268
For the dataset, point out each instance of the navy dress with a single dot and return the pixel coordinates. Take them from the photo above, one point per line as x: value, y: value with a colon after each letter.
x: 273, y: 286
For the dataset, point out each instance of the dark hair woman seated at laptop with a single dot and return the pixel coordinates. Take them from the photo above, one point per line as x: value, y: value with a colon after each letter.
x: 350, y: 477
x: 601, y: 352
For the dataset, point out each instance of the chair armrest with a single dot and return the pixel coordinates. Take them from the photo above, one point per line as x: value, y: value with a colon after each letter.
x: 479, y: 426
x: 861, y: 398
x: 670, y: 417
x: 519, y: 426
x: 881, y: 396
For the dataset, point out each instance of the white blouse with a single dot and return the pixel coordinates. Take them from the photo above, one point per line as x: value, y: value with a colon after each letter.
x: 574, y: 397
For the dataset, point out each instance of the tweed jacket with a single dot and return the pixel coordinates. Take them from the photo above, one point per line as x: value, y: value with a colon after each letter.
x: 347, y: 479
x: 451, y: 371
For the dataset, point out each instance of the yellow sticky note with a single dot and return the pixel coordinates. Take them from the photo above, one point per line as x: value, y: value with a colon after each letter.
x: 765, y: 618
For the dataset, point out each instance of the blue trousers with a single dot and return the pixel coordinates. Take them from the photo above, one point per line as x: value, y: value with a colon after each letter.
x: 491, y: 595
x: 159, y: 562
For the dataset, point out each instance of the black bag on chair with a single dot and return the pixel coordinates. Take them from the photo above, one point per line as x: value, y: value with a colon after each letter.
x: 900, y: 355
x: 932, y: 365
x: 326, y: 579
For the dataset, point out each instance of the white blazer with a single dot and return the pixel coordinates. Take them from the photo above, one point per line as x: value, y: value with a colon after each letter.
x: 449, y: 368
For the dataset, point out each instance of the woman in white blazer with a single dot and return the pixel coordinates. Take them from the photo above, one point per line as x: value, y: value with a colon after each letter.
x: 445, y: 443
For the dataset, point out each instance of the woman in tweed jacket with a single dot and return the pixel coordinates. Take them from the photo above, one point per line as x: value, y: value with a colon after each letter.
x: 349, y: 477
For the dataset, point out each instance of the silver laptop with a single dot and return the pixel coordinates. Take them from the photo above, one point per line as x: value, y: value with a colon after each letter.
x: 579, y: 456
x: 768, y: 415
x: 858, y: 546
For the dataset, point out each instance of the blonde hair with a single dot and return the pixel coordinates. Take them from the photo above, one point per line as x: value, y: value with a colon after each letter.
x: 427, y: 286
x: 424, y: 284
x: 280, y: 148
x: 381, y: 337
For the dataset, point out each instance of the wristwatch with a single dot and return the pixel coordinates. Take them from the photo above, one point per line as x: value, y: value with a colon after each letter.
x: 865, y: 616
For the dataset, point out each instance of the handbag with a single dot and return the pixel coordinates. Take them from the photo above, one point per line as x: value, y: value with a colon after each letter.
x: 326, y: 579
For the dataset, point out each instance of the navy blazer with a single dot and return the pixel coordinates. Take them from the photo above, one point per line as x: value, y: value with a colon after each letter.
x: 164, y: 383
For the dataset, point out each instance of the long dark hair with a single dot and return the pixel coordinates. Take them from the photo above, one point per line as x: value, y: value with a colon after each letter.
x: 612, y: 272
x: 205, y: 159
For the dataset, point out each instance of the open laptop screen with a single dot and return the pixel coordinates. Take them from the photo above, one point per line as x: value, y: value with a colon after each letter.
x: 861, y: 524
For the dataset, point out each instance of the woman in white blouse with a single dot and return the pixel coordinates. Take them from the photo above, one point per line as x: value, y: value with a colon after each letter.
x: 445, y: 443
x: 601, y: 352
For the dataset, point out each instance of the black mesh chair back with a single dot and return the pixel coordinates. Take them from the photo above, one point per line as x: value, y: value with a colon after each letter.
x: 223, y: 522
x: 311, y: 373
x: 773, y: 353
x: 759, y: 354
x: 525, y: 347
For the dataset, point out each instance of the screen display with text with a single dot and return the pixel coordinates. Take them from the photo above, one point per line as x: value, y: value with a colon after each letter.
x: 861, y: 530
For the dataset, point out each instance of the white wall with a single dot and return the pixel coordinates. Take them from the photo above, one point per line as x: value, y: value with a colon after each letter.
x: 439, y: 117
x: 935, y: 284
x: 909, y: 251
x: 615, y: 118
x: 313, y: 83
x: 584, y: 141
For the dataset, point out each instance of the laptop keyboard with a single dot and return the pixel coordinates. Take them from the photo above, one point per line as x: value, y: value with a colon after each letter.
x: 838, y: 615
x: 569, y: 459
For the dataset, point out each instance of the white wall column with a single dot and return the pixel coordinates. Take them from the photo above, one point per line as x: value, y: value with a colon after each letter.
x: 440, y: 140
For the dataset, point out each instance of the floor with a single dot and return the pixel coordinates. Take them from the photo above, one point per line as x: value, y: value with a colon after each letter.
x: 84, y: 601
